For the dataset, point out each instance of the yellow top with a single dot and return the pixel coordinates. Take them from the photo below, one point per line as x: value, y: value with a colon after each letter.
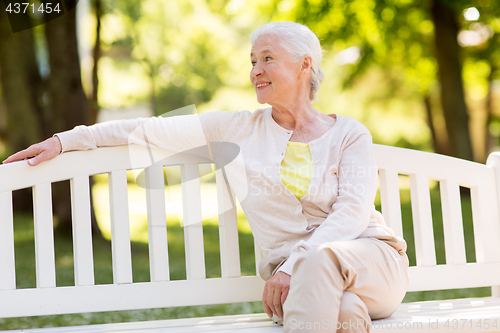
x: 297, y: 168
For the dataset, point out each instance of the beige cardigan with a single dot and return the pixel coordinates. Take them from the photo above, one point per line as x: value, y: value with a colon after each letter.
x: 250, y: 147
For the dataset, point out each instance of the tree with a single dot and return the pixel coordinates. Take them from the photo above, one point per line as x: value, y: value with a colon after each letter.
x: 31, y: 117
x: 21, y: 90
x: 453, y: 104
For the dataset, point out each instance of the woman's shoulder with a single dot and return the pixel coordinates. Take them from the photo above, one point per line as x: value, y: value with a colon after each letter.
x: 236, y: 116
x: 352, y: 125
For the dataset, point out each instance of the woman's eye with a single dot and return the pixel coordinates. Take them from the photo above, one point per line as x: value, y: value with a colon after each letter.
x: 268, y: 58
x: 253, y: 63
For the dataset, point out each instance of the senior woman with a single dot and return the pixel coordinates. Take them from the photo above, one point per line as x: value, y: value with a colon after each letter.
x: 330, y: 262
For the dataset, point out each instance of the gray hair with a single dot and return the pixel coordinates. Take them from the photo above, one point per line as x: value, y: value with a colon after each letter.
x: 299, y: 41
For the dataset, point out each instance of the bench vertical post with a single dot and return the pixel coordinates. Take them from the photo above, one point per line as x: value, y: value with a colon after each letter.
x: 82, y: 231
x: 422, y: 220
x: 454, y: 241
x: 7, y: 257
x: 258, y: 257
x: 157, y: 224
x: 228, y: 227
x: 193, y: 221
x: 486, y: 224
x: 389, y: 197
x: 44, y: 236
x: 493, y: 161
x: 120, y: 228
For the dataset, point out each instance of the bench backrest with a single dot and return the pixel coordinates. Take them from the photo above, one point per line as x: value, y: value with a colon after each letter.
x: 123, y: 294
x: 483, y: 181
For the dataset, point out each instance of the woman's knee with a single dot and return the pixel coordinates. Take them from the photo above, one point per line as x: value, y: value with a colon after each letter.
x: 316, y: 260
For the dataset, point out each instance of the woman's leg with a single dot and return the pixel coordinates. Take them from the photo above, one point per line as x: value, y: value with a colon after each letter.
x: 368, y: 268
x: 353, y: 314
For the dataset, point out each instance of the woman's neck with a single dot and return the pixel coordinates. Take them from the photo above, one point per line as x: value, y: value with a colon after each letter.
x: 306, y: 122
x: 296, y: 118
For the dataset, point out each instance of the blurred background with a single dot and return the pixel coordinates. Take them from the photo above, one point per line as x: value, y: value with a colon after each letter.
x: 421, y: 74
x: 418, y: 73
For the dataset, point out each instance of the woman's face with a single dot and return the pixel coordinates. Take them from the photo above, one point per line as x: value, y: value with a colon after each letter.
x: 274, y: 74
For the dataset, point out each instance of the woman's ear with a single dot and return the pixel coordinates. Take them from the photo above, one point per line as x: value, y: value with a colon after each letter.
x: 306, y: 62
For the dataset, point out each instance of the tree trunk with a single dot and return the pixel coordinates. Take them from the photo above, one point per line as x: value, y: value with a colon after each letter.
x: 94, y: 102
x: 21, y: 85
x: 488, y: 138
x: 68, y: 102
x: 152, y: 73
x: 430, y: 124
x: 67, y: 98
x: 21, y: 90
x: 450, y: 76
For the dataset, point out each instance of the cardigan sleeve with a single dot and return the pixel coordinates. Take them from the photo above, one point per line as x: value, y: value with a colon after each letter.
x: 177, y: 134
x: 357, y: 187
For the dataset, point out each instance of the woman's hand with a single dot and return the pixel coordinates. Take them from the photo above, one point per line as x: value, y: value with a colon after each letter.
x: 38, y: 152
x: 275, y: 293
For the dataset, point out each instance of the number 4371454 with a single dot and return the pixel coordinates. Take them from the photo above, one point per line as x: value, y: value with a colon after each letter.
x: 17, y: 8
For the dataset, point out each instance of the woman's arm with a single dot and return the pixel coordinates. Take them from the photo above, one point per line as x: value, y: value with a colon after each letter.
x: 178, y: 134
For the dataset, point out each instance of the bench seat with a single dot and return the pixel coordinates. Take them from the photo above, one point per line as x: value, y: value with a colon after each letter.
x: 459, y: 315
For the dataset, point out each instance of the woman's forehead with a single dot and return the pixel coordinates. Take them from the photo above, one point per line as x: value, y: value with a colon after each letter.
x: 266, y: 44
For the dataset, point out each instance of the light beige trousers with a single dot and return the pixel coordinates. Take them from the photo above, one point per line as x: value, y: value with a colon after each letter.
x: 341, y: 286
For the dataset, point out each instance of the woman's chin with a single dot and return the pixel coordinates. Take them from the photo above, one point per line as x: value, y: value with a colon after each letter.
x: 262, y: 99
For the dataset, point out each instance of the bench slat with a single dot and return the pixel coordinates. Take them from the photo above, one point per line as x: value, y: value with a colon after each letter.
x: 193, y: 222
x: 390, y: 200
x: 258, y: 257
x: 18, y: 175
x: 246, y: 323
x: 422, y: 220
x: 44, y: 236
x: 120, y: 228
x: 7, y: 257
x: 454, y: 242
x: 435, y: 166
x: 142, y: 295
x: 228, y: 228
x: 493, y: 162
x: 486, y: 224
x: 470, y: 275
x: 416, y: 317
x: 82, y: 231
x: 157, y: 224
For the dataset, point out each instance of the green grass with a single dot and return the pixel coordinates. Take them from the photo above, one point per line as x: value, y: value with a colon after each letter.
x: 140, y: 262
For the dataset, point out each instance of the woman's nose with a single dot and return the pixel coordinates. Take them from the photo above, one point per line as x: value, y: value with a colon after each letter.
x: 257, y: 71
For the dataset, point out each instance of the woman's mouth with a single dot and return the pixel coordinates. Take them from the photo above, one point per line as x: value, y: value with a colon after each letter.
x: 262, y: 85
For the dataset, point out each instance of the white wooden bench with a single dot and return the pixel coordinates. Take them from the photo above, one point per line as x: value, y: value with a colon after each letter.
x: 46, y: 299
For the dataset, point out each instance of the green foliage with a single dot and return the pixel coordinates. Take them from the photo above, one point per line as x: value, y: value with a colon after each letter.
x: 186, y: 51
x: 393, y: 35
